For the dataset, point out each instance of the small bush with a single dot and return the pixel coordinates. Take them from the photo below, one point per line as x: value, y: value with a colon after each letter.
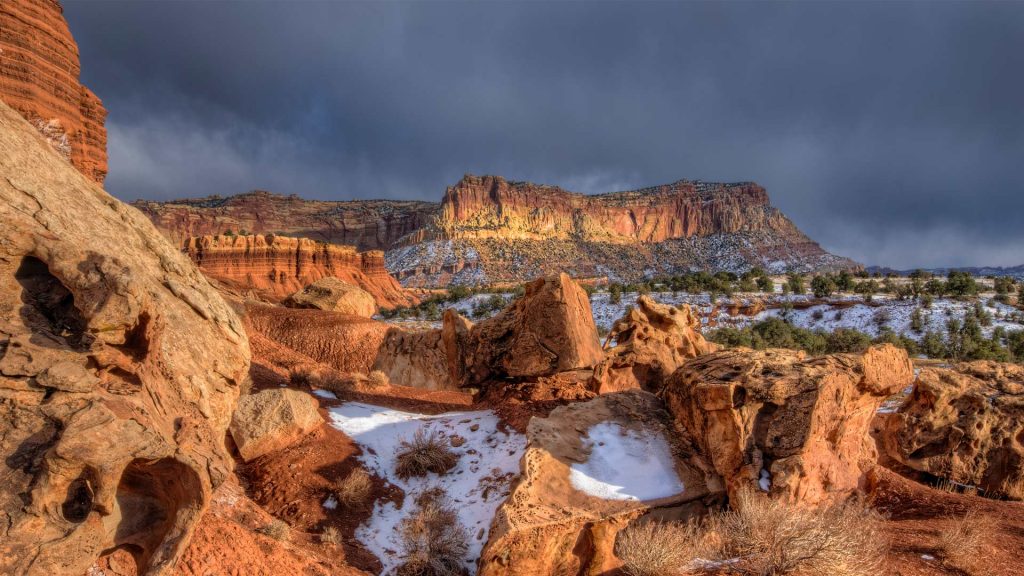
x: 435, y: 543
x: 276, y: 529
x: 330, y: 535
x: 658, y: 548
x: 377, y: 379
x: 355, y: 489
x: 424, y: 453
x: 962, y: 541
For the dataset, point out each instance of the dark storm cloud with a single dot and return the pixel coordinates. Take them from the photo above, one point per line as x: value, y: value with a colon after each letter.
x: 892, y: 133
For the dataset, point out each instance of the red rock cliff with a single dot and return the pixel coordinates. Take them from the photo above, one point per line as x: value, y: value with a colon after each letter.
x: 277, y: 266
x: 490, y: 206
x: 39, y: 72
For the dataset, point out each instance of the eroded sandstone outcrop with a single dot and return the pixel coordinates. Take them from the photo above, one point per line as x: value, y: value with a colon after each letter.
x: 39, y: 72
x: 335, y: 295
x: 119, y: 370
x: 555, y: 522
x: 549, y: 329
x: 964, y: 424
x: 274, y: 267
x: 779, y: 421
x: 651, y: 341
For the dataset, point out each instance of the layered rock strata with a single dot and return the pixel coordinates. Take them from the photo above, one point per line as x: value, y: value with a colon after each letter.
x: 365, y: 224
x: 488, y: 229
x: 39, y: 72
x: 120, y: 366
x: 276, y: 267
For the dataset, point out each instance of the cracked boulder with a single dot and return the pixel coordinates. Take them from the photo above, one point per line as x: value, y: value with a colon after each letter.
x: 964, y: 424
x: 119, y: 371
x: 781, y: 422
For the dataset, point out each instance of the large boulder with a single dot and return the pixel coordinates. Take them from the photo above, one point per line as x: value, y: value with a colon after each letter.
x: 964, y: 424
x: 271, y: 420
x: 651, y: 341
x: 335, y: 295
x: 548, y: 330
x: 119, y: 370
x: 779, y: 421
x: 590, y: 468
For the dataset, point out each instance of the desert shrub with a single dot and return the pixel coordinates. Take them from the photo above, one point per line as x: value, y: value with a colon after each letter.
x: 772, y: 537
x: 822, y: 286
x: 917, y: 320
x: 659, y: 548
x: 377, y: 379
x: 961, y: 542
x: 276, y: 529
x: 435, y: 542
x: 796, y: 284
x: 426, y: 452
x: 355, y: 489
x: 330, y: 535
x: 818, y: 315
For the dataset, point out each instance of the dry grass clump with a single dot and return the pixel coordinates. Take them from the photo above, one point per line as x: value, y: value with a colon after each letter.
x: 772, y: 537
x: 659, y: 548
x: 377, y: 379
x: 276, y: 529
x: 426, y: 452
x: 961, y: 543
x: 323, y: 378
x: 759, y: 537
x: 355, y: 489
x: 435, y: 543
x: 330, y: 535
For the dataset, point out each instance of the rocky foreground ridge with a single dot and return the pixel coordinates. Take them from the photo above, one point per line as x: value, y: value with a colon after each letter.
x: 39, y: 72
x: 489, y: 229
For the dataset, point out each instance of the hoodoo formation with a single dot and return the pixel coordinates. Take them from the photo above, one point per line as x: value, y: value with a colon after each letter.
x: 39, y: 72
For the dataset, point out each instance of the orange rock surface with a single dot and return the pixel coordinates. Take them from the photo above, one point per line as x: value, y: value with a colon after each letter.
x: 278, y: 266
x: 782, y: 422
x: 39, y: 72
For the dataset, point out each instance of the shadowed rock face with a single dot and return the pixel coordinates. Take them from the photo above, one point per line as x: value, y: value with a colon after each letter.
x: 119, y: 370
x: 964, y: 424
x: 275, y: 267
x: 39, y: 78
x: 777, y: 420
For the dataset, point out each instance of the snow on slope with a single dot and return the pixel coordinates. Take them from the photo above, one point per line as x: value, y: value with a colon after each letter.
x: 626, y: 465
x: 488, y: 464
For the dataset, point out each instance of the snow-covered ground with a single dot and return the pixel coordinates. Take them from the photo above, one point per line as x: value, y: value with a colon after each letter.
x: 626, y: 465
x: 487, y: 466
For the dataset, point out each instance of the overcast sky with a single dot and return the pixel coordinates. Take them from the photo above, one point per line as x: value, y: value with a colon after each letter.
x: 892, y: 133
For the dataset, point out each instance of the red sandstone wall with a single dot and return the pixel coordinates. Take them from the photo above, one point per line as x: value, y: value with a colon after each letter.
x: 39, y: 72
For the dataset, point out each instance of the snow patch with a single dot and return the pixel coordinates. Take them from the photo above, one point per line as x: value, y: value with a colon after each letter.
x: 331, y: 503
x: 626, y: 465
x: 488, y: 464
x: 326, y: 394
x: 765, y: 481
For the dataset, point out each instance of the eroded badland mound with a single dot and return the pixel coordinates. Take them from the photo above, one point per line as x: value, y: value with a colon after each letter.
x: 39, y: 71
x: 488, y: 229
